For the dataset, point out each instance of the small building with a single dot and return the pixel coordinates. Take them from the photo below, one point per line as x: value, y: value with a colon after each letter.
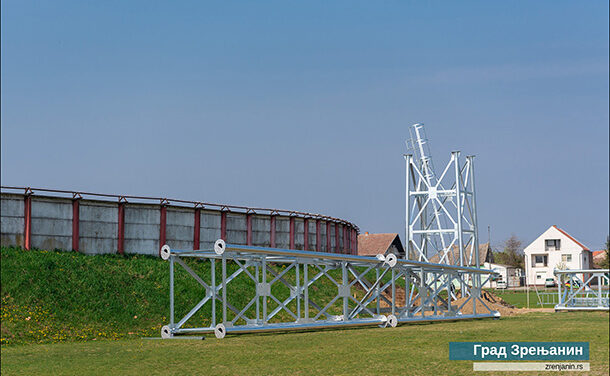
x: 554, y: 249
x: 485, y: 256
x: 512, y: 275
x: 598, y: 258
x: 509, y: 274
x: 380, y: 244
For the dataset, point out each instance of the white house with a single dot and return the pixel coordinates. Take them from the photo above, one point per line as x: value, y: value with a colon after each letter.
x: 509, y: 275
x: 554, y: 249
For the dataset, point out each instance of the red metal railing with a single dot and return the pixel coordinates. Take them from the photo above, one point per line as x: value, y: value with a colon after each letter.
x: 348, y: 244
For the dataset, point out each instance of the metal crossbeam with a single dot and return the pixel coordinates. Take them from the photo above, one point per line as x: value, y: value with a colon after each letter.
x: 278, y: 290
x: 585, y: 289
x: 440, y: 212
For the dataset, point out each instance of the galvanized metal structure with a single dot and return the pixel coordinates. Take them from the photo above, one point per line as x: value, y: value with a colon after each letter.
x: 283, y: 285
x: 584, y: 289
x: 440, y: 212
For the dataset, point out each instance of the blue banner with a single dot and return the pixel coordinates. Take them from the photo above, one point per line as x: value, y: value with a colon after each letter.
x: 519, y: 350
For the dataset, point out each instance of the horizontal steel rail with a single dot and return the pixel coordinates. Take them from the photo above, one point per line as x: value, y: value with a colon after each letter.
x: 583, y: 290
x: 282, y: 285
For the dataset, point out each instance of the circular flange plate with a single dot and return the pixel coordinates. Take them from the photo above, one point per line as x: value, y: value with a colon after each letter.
x: 166, y: 332
x: 220, y: 246
x: 391, y: 260
x: 220, y: 331
x: 165, y: 252
x: 392, y: 321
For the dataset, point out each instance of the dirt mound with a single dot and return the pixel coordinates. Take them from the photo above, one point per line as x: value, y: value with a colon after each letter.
x: 467, y: 309
x: 494, y: 302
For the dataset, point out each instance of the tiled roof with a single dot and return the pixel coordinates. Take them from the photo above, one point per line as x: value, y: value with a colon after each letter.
x: 485, y: 255
x: 584, y: 247
x: 374, y: 244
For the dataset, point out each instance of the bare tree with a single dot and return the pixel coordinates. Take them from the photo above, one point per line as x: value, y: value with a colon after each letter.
x: 513, y: 252
x: 605, y: 263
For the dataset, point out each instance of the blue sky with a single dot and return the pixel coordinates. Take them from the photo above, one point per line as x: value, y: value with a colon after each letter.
x: 306, y: 105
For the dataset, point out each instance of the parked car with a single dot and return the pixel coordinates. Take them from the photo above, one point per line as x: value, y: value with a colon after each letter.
x: 501, y: 285
x: 550, y: 282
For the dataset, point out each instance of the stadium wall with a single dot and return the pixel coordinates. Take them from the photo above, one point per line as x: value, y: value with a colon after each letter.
x: 99, y: 223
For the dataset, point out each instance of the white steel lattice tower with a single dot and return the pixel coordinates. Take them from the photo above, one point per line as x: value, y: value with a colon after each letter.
x: 440, y: 213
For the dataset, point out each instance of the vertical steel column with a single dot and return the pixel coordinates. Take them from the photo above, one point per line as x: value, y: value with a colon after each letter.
x: 258, y: 297
x: 345, y: 283
x: 345, y: 240
x: 292, y: 233
x: 197, y: 229
x: 408, y: 291
x: 264, y: 297
x: 559, y: 283
x: 449, y: 285
x: 121, y: 229
x: 162, y: 223
x: 377, y: 292
x: 223, y: 225
x: 298, y: 289
x: 599, y: 290
x: 213, y: 277
x: 318, y: 236
x: 407, y: 208
x: 306, y: 293
x: 477, y: 292
x: 75, y: 223
x: 393, y: 292
x: 455, y: 155
x: 171, y: 291
x: 475, y: 223
x: 224, y: 288
x: 272, y: 231
x: 422, y: 284
x: 306, y: 234
x: 249, y: 229
x: 328, y: 245
x: 27, y: 220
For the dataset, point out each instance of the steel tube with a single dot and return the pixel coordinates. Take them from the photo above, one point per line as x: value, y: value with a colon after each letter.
x: 345, y: 257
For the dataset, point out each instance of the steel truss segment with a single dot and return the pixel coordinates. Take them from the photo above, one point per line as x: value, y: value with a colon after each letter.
x: 583, y: 289
x: 366, y: 287
x: 435, y: 221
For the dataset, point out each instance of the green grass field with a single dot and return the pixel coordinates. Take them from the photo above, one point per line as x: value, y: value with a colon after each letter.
x: 420, y: 349
x: 519, y: 298
x: 67, y: 313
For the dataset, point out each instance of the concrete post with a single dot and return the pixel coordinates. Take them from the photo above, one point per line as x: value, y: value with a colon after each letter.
x: 75, y: 224
x: 197, y: 228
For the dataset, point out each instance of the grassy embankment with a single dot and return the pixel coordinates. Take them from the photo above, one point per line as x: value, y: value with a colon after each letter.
x: 54, y: 296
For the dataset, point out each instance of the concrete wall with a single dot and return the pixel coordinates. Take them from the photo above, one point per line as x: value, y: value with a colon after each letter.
x: 142, y: 229
x: 210, y: 229
x: 51, y: 223
x: 261, y: 231
x: 11, y: 226
x: 282, y: 232
x: 100, y: 228
x: 179, y: 228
